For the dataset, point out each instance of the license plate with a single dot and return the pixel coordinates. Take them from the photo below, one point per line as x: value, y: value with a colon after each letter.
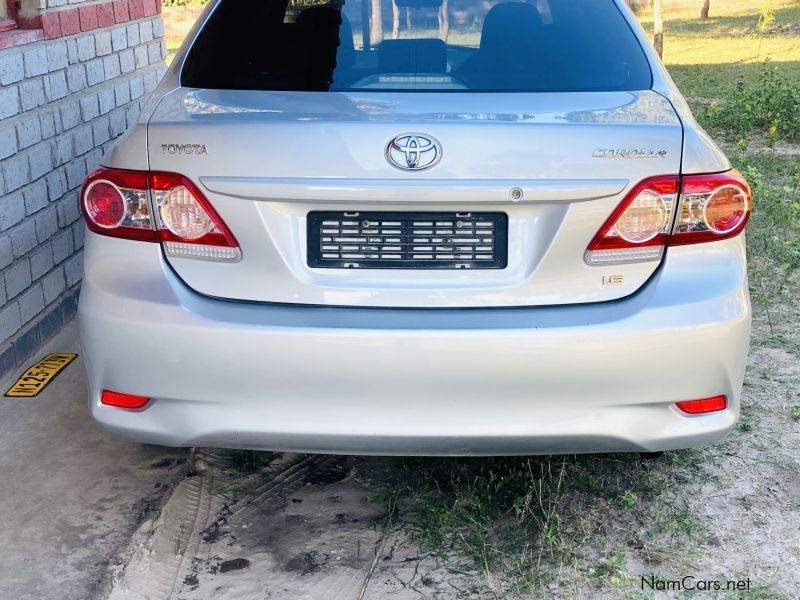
x: 35, y: 379
x: 407, y: 240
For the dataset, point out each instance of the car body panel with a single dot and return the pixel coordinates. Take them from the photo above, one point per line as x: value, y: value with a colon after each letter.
x: 596, y: 377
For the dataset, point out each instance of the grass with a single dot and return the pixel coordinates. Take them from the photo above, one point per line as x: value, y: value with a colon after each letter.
x: 706, y: 56
x: 527, y: 519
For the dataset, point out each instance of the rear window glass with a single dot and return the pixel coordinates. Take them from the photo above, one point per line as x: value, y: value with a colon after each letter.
x: 417, y: 45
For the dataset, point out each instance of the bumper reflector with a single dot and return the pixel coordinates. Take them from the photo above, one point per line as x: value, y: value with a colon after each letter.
x: 123, y: 400
x: 707, y: 405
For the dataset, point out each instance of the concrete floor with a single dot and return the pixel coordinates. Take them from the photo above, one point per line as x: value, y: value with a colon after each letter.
x: 70, y: 495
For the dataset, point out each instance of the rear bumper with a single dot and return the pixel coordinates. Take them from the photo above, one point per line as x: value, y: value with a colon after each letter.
x: 437, y: 382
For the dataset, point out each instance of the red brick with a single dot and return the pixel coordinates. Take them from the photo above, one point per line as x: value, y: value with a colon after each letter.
x: 88, y: 17
x: 149, y: 8
x: 121, y: 13
x: 51, y: 26
x: 136, y: 8
x: 105, y: 14
x: 70, y: 22
x: 18, y: 37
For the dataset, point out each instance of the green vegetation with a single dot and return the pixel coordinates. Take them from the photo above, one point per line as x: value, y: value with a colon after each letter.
x: 771, y: 104
x: 705, y: 57
x: 774, y: 237
x: 184, y: 2
x: 523, y: 520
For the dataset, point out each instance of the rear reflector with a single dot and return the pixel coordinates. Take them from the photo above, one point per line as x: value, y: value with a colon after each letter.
x: 707, y: 405
x: 123, y: 400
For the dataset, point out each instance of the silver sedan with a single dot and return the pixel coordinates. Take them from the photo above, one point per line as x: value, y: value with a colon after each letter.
x: 482, y: 228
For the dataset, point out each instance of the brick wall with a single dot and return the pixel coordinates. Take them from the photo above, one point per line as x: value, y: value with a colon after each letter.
x: 70, y: 83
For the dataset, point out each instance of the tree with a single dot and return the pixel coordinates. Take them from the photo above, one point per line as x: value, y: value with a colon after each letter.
x: 444, y: 22
x: 395, y: 20
x: 658, y: 27
x: 376, y: 23
x: 705, y: 9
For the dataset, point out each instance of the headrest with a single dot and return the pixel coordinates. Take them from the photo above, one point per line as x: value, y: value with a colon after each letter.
x: 509, y: 25
x: 412, y: 56
x: 319, y: 20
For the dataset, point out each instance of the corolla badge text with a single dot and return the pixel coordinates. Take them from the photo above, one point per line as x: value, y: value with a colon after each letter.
x: 628, y: 153
x: 413, y: 152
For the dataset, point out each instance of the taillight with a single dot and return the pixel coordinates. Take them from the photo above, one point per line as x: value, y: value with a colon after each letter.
x: 114, y: 202
x: 117, y: 203
x: 189, y: 226
x: 713, y: 207
x: 639, y: 228
x: 710, y: 207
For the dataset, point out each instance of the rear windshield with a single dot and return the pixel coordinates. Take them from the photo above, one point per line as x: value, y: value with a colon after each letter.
x: 417, y: 45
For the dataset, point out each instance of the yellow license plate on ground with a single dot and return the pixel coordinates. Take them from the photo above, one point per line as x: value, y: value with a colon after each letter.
x: 35, y: 379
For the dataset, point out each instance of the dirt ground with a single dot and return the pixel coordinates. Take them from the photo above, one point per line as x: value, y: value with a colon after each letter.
x: 70, y: 496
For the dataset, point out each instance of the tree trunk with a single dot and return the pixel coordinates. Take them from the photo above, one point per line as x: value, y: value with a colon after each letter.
x: 705, y: 9
x: 658, y: 27
x: 444, y: 22
x: 376, y: 23
x: 395, y: 20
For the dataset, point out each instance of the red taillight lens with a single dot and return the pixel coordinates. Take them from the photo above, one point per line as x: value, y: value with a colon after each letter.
x: 116, y: 202
x: 713, y: 207
x: 706, y: 405
x: 123, y: 400
x: 710, y: 207
x: 105, y: 204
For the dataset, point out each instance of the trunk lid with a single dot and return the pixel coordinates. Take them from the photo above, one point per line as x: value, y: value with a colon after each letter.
x: 265, y: 160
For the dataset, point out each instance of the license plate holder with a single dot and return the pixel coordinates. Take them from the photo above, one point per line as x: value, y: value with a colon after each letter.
x: 407, y: 240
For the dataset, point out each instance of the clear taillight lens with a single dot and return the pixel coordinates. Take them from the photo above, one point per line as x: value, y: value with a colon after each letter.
x: 116, y: 202
x: 713, y: 207
x: 638, y: 230
x: 182, y: 214
x: 189, y: 226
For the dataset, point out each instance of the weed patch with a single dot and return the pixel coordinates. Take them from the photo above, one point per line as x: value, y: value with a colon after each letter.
x: 522, y: 520
x: 771, y: 105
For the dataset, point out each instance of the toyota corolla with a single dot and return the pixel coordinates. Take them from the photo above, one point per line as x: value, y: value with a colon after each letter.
x: 439, y: 227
